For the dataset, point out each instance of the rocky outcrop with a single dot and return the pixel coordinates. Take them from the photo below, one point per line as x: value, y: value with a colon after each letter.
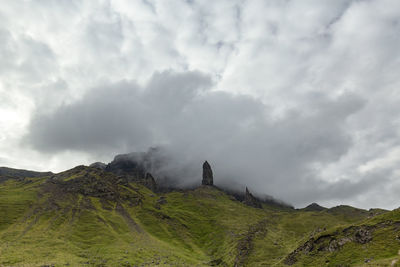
x: 98, y: 165
x: 129, y: 165
x: 251, y: 200
x: 134, y: 167
x: 362, y: 234
x: 161, y: 201
x: 150, y: 183
x: 91, y: 182
x: 207, y: 174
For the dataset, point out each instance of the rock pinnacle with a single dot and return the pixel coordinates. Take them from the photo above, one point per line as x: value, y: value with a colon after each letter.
x: 207, y: 174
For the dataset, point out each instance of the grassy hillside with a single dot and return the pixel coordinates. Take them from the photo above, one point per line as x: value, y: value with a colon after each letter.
x: 374, y: 241
x: 88, y: 217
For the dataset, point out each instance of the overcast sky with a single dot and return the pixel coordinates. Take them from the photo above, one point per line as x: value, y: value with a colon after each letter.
x: 296, y: 99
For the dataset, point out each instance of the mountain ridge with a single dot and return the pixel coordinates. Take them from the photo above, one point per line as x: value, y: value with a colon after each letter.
x: 88, y: 216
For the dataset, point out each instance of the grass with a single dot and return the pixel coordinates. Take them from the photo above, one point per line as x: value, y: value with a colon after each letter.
x: 192, y: 228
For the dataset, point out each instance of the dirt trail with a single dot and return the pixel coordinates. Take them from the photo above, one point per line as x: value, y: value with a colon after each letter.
x: 128, y: 219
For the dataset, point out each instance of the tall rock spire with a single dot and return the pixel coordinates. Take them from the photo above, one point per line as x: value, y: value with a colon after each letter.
x: 251, y: 200
x: 207, y: 174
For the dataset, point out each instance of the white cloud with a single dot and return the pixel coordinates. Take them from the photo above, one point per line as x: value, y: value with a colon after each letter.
x: 329, y: 66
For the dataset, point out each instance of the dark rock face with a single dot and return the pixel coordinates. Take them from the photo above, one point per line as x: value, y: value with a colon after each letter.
x: 251, y: 200
x: 207, y: 174
x: 363, y: 235
x: 150, y: 183
x: 127, y: 164
x: 134, y: 167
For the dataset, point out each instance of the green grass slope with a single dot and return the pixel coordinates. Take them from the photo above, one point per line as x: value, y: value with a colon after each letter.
x: 88, y: 217
x: 374, y: 241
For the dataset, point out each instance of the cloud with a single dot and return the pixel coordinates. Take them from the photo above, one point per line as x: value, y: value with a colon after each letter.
x: 297, y: 99
x: 121, y: 116
x: 181, y: 113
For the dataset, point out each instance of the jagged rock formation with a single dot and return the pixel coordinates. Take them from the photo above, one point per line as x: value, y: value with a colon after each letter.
x: 127, y: 164
x: 207, y: 174
x: 150, y: 183
x: 331, y: 242
x: 134, y: 167
x: 251, y: 200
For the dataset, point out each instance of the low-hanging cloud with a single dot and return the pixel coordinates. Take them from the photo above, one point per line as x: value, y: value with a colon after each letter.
x: 181, y: 112
x: 296, y: 99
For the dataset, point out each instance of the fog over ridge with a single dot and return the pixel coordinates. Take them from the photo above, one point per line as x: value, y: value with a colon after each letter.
x: 181, y: 114
x: 295, y: 99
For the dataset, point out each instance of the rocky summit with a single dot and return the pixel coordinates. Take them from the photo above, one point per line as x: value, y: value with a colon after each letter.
x: 117, y: 215
x: 207, y: 174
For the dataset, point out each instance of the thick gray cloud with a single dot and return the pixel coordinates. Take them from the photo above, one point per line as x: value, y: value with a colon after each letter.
x: 117, y: 117
x: 297, y: 99
x: 179, y: 112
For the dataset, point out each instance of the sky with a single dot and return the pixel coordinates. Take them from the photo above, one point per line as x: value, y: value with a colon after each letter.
x: 299, y: 100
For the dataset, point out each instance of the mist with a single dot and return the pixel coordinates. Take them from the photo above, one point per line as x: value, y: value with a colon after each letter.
x: 181, y: 114
x: 294, y: 99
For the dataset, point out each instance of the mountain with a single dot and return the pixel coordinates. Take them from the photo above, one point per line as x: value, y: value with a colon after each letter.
x: 314, y: 207
x: 9, y: 173
x: 105, y: 215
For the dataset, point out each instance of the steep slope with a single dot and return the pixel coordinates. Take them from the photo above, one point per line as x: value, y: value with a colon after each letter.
x: 88, y: 216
